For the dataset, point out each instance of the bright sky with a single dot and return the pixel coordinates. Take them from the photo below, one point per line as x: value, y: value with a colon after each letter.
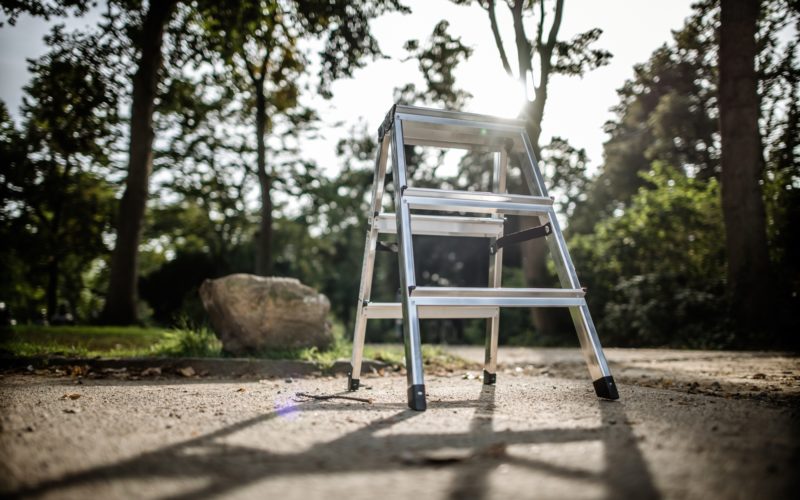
x: 576, y: 109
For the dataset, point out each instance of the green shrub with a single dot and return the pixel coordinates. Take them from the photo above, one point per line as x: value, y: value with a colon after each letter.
x: 656, y: 270
x: 189, y: 341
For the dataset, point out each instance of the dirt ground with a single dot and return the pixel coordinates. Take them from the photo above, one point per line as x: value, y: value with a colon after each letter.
x: 689, y: 424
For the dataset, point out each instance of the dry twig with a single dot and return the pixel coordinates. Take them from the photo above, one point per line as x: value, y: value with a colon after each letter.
x: 325, y: 397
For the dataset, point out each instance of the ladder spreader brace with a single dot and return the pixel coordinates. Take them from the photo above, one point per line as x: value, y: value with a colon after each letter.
x: 410, y: 125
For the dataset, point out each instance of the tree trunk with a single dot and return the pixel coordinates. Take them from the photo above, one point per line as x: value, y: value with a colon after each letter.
x: 54, y: 265
x: 534, y: 252
x: 120, y: 307
x: 264, y: 245
x: 53, y: 270
x: 742, y: 165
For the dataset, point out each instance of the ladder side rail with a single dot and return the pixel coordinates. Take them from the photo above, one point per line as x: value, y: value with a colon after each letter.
x: 368, y: 264
x: 581, y: 317
x: 411, y: 330
x: 499, y: 173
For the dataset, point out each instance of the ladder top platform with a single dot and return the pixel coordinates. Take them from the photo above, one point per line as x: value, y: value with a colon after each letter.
x: 455, y: 115
x: 455, y: 129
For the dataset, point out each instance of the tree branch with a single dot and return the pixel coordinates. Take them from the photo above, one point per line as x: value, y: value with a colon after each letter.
x: 250, y: 71
x: 524, y: 55
x: 540, y: 27
x: 551, y: 39
x: 498, y: 41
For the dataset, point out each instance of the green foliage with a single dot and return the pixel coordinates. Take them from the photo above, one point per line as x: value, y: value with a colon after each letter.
x: 668, y: 109
x: 576, y: 56
x: 655, y: 271
x: 437, y: 62
x: 41, y: 8
x: 57, y: 204
x: 80, y: 341
x: 651, y: 284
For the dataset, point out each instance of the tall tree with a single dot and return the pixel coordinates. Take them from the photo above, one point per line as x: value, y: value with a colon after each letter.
x: 538, y: 59
x: 56, y: 195
x: 121, y: 299
x: 668, y: 110
x: 260, y: 42
x: 743, y: 163
x: 144, y: 26
x: 668, y: 114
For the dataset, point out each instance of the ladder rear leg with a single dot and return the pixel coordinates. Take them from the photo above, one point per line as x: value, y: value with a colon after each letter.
x: 499, y: 171
x: 490, y: 361
x: 368, y: 266
x: 353, y: 378
x: 602, y: 379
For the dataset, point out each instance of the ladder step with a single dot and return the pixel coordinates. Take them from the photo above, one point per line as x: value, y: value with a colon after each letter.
x: 477, y: 201
x: 393, y: 310
x: 442, y: 225
x: 497, y: 297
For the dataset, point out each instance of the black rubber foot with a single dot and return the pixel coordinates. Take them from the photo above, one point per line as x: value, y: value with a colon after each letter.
x: 416, y: 397
x: 489, y: 378
x: 606, y: 388
x: 352, y: 383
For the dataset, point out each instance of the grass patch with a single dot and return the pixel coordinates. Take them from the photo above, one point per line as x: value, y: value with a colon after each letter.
x: 80, y: 341
x: 433, y: 356
x: 190, y: 341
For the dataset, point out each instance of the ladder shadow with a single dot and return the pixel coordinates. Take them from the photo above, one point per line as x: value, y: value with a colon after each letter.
x: 228, y: 467
x: 626, y: 474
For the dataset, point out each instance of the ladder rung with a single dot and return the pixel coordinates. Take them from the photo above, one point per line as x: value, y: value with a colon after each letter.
x: 443, y: 225
x: 393, y: 310
x: 498, y: 297
x: 477, y: 201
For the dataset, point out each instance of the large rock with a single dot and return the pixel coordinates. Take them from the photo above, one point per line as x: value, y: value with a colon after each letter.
x: 250, y: 313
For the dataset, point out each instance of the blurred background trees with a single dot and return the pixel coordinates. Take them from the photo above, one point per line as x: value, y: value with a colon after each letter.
x: 221, y: 184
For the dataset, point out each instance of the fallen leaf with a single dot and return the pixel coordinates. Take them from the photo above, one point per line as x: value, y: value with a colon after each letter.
x: 72, y: 396
x: 495, y: 450
x: 240, y: 389
x: 78, y: 370
x: 71, y: 410
x: 187, y: 371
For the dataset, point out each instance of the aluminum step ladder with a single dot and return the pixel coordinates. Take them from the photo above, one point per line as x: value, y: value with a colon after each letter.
x: 505, y: 138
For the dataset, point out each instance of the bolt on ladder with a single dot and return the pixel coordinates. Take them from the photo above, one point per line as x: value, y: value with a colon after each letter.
x: 411, y: 126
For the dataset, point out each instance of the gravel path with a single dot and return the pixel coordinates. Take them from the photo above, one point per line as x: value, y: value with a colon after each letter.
x: 540, y: 433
